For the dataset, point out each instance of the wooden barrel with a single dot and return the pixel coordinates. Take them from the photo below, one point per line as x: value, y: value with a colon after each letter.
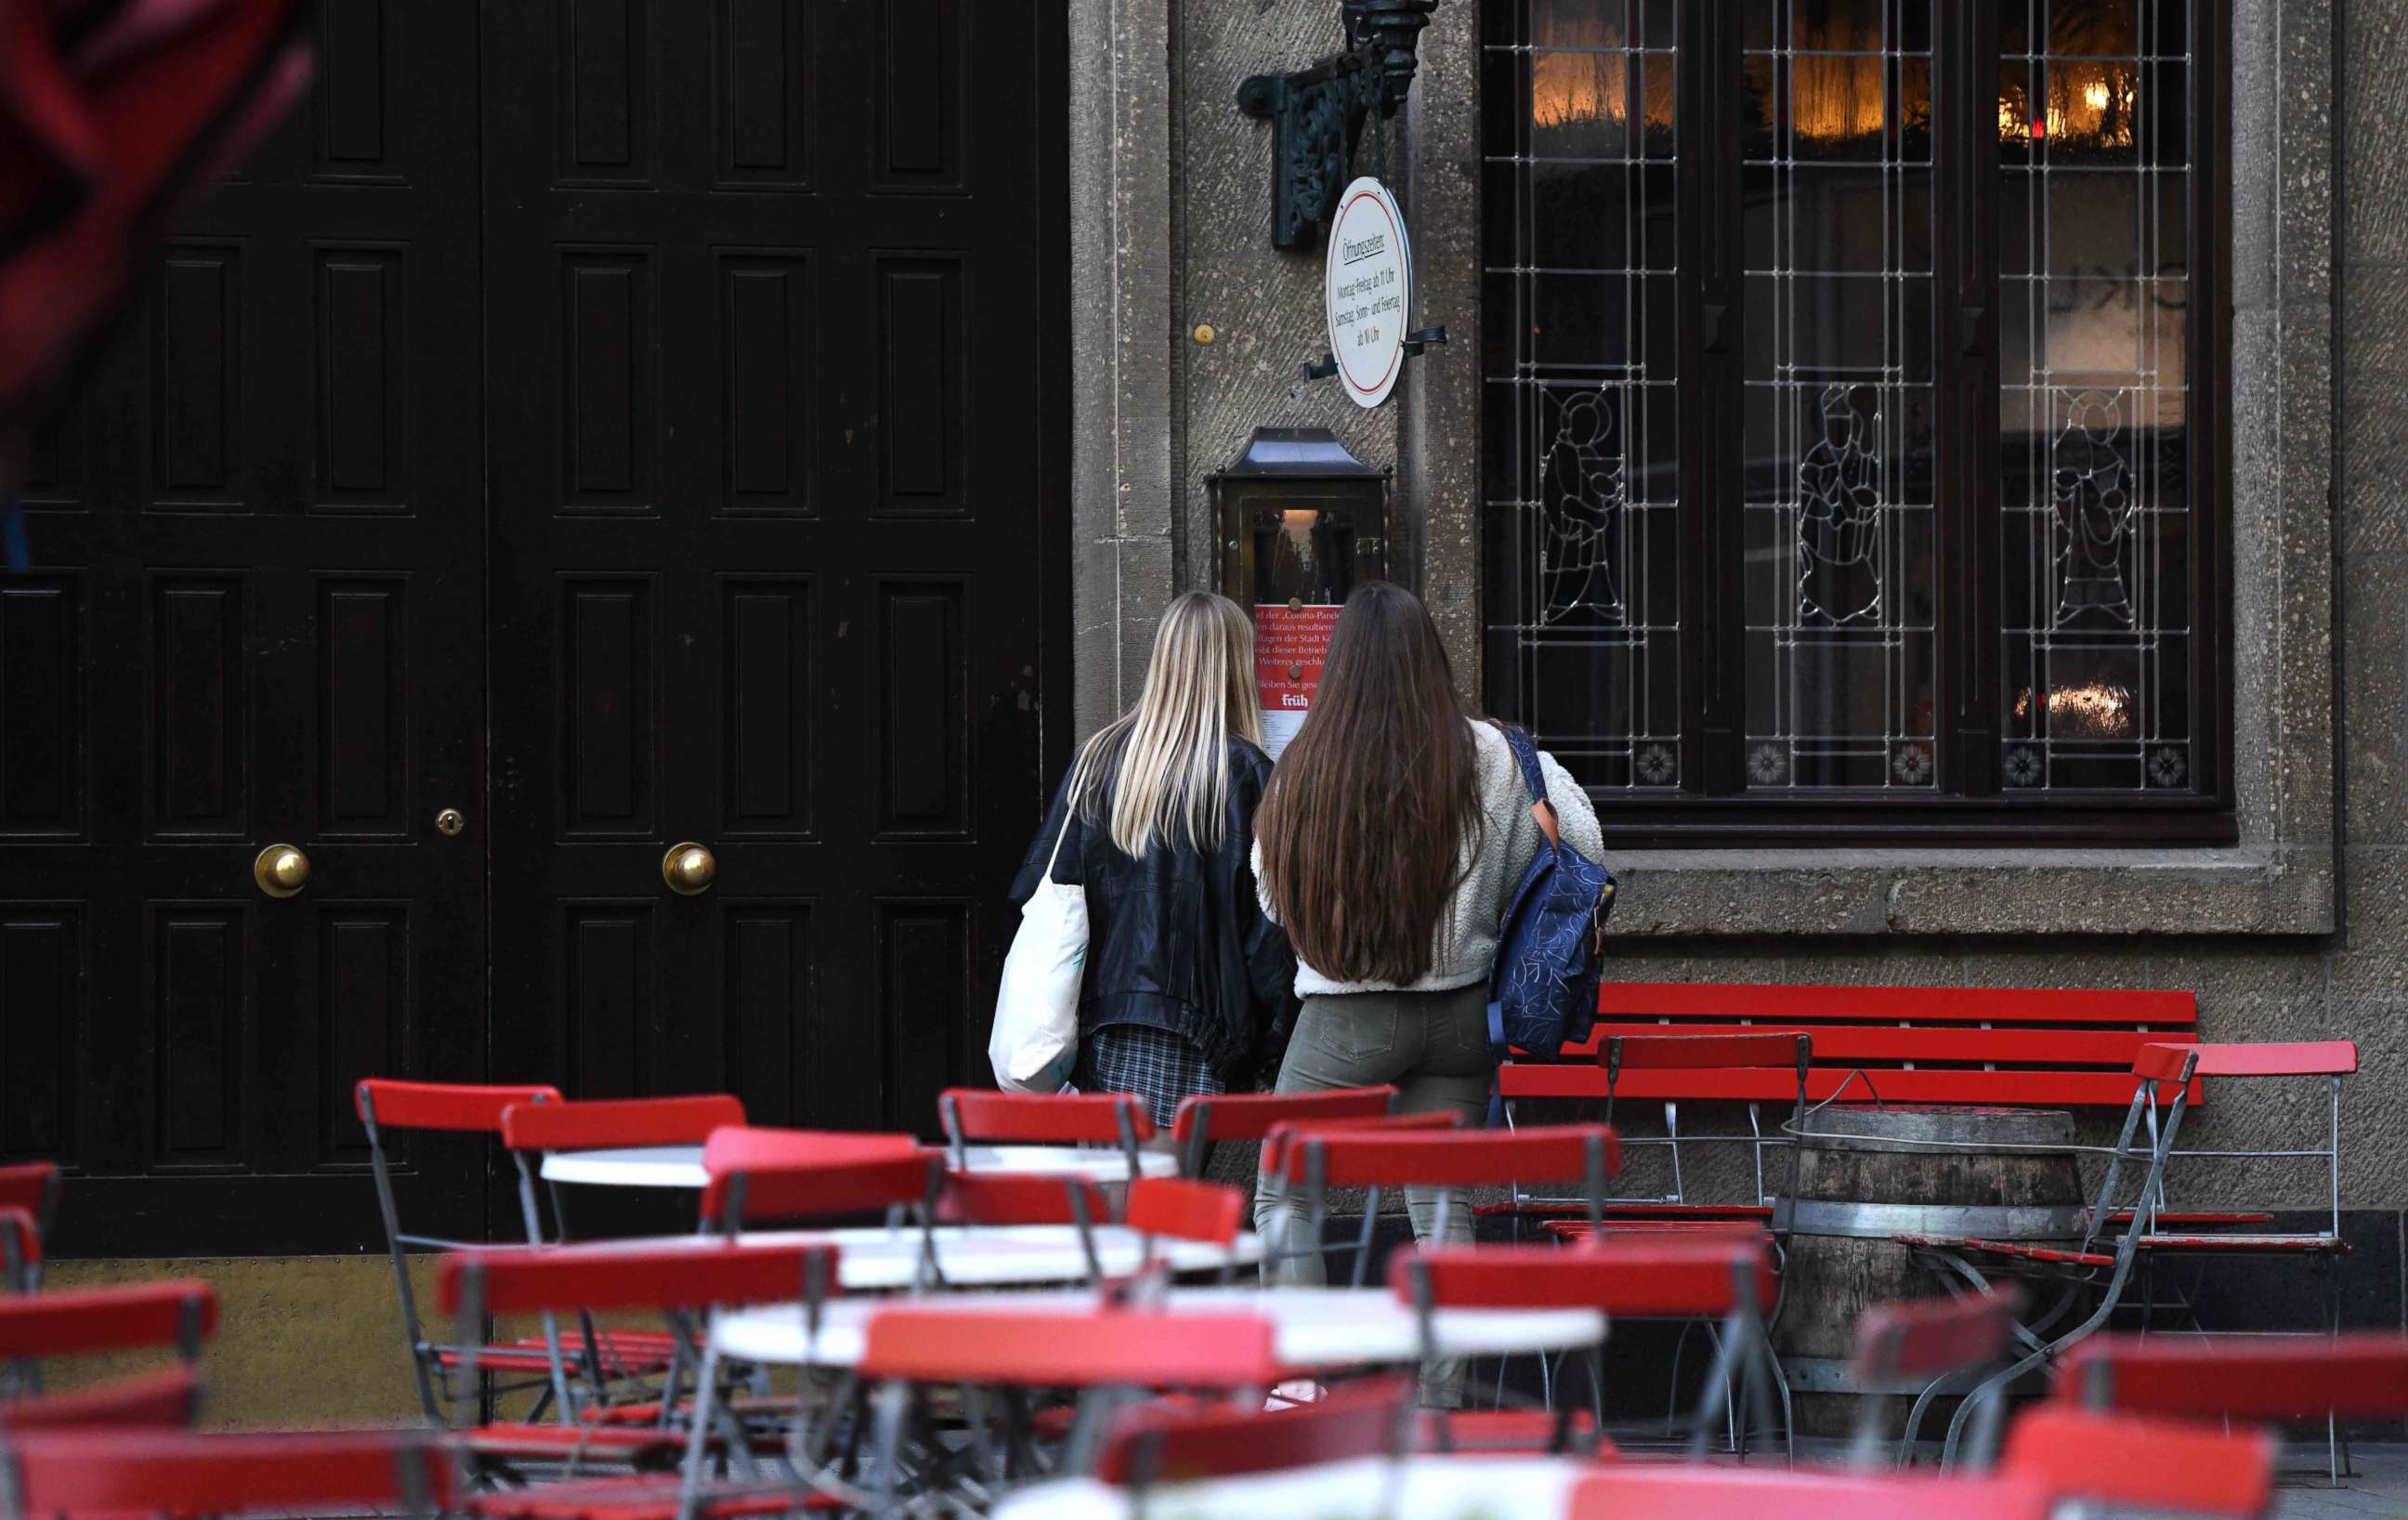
x: 1866, y: 1175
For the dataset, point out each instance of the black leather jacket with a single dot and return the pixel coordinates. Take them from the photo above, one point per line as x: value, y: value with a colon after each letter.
x: 1177, y: 939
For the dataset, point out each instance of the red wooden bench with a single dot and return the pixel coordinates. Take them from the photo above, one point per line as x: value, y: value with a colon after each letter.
x: 2022, y: 1047
x: 2015, y: 1047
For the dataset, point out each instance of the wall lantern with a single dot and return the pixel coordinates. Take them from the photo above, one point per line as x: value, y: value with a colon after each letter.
x: 1317, y: 114
x: 1302, y: 523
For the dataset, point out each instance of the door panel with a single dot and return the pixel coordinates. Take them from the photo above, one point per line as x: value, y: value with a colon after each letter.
x: 254, y: 619
x: 764, y: 576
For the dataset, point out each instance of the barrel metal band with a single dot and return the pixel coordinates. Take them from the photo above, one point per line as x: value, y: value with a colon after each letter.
x: 1880, y: 1221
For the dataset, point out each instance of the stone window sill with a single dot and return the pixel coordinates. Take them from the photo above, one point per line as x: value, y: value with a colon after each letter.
x: 2246, y: 890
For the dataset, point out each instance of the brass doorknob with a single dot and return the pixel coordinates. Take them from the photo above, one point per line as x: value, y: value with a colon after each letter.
x: 281, y: 870
x: 688, y: 869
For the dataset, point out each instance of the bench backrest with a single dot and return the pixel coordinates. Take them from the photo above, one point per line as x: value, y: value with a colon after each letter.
x: 2047, y: 1047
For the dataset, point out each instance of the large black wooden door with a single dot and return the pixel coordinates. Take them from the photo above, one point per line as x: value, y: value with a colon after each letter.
x: 773, y: 408
x: 253, y: 621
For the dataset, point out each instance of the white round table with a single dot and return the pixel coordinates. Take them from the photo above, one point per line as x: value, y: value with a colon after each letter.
x: 1315, y: 1329
x: 680, y: 1166
x: 875, y: 1258
x: 1418, y: 1488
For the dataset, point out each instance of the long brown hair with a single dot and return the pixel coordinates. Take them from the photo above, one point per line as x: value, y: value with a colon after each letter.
x: 1373, y: 813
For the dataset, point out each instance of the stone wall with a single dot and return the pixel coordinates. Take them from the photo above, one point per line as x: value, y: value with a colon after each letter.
x: 2300, y: 932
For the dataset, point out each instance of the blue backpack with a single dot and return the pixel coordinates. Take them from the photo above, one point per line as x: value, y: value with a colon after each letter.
x: 1549, y: 954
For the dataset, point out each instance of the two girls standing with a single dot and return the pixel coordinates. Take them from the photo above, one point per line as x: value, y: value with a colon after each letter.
x: 1387, y: 843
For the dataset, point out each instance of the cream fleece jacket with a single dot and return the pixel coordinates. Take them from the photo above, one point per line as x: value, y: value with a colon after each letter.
x: 1465, y: 947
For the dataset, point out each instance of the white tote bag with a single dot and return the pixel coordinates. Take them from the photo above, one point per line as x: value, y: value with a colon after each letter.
x: 1036, y: 1040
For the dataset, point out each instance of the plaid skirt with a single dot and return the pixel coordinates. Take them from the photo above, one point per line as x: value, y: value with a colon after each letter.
x: 1160, y: 1067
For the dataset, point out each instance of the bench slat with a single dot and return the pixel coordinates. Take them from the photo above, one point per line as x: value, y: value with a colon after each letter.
x: 2031, y: 1089
x: 1768, y: 1003
x: 1855, y: 1042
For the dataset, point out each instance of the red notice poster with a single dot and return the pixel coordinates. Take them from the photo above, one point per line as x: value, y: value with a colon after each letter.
x: 1290, y: 643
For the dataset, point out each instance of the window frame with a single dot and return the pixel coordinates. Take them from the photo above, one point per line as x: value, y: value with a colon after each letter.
x: 1968, y: 805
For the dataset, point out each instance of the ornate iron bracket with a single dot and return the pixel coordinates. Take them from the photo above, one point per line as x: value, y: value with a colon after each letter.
x: 1317, y: 114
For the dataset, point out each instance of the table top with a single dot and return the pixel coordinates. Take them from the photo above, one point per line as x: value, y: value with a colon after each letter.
x: 680, y: 1166
x: 1314, y: 1328
x: 1418, y: 1488
x: 876, y: 1258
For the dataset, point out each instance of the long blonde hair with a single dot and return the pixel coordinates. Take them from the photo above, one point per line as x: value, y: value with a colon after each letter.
x: 1164, y: 767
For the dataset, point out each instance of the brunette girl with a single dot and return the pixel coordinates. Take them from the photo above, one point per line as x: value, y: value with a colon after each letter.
x: 1392, y: 837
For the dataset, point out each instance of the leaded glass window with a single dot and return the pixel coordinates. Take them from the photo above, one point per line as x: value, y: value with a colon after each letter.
x: 1847, y: 462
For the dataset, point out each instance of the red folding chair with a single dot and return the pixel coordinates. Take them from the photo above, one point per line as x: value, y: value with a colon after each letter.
x: 1647, y: 1491
x: 1107, y: 1357
x: 676, y: 1279
x: 21, y: 1250
x: 34, y: 1187
x: 180, y: 1313
x: 1273, y: 1160
x: 2362, y: 1375
x: 177, y: 1315
x: 2125, y: 1462
x: 169, y: 1398
x: 386, y: 1106
x: 1205, y: 1118
x: 532, y: 1132
x: 150, y: 1472
x: 970, y: 1113
x: 1725, y: 1279
x: 1785, y: 1050
x: 1929, y: 1342
x: 758, y: 1175
x: 2141, y: 1240
x: 1167, y: 1444
x: 1375, y: 1155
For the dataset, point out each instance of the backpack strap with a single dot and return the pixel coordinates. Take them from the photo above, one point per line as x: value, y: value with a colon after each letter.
x: 1525, y: 754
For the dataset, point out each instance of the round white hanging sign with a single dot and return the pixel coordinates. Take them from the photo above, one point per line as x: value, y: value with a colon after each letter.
x: 1367, y: 286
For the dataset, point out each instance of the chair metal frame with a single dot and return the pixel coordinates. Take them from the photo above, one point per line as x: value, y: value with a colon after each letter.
x: 1682, y: 1277
x: 533, y: 1131
x: 1674, y: 1050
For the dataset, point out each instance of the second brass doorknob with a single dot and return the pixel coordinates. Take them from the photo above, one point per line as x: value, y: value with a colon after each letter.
x: 281, y: 870
x: 688, y: 869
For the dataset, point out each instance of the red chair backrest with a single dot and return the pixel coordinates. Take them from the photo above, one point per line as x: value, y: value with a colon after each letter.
x: 1003, y: 1197
x: 1678, y: 1491
x: 970, y: 1113
x: 168, y: 1398
x: 2129, y: 1462
x: 33, y: 1186
x: 631, y: 1121
x: 1137, y: 1348
x: 442, y: 1105
x: 1637, y: 1277
x: 1249, y: 1117
x: 813, y: 1174
x: 2309, y: 1058
x: 1275, y: 1143
x: 1211, y: 1213
x: 1158, y: 1443
x: 693, y: 1272
x: 152, y: 1472
x: 1785, y: 1048
x: 138, y: 1316
x: 1360, y: 1157
x: 1931, y: 1336
x: 2363, y: 1374
x: 20, y: 1238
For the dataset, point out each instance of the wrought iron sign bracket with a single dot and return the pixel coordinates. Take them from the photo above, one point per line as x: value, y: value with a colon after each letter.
x: 1317, y: 114
x: 1414, y: 344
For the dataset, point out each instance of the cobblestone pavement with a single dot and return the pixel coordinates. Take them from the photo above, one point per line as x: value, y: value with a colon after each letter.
x: 2380, y: 1487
